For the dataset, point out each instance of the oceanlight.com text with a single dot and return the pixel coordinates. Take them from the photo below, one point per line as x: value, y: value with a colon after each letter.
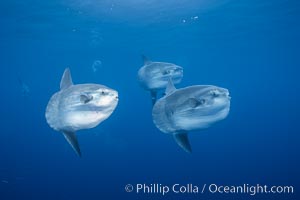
x: 250, y: 189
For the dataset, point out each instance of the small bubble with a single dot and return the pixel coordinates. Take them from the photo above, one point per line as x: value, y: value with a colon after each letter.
x: 96, y: 65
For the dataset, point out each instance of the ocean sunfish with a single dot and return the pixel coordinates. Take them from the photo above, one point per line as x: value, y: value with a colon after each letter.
x: 154, y: 76
x: 77, y: 107
x: 191, y: 108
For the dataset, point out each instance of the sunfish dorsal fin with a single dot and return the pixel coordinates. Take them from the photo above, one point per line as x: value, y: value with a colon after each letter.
x: 183, y: 141
x: 170, y: 87
x: 146, y: 60
x: 66, y: 80
x: 72, y: 139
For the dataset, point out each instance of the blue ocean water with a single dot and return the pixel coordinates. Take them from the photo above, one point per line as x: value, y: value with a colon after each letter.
x: 250, y: 47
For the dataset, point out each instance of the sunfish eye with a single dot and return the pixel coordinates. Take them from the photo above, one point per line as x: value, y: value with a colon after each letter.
x: 214, y: 93
x: 104, y: 92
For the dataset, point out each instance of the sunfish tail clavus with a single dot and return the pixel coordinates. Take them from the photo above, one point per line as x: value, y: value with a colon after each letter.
x: 191, y: 108
x: 80, y: 106
x: 154, y: 76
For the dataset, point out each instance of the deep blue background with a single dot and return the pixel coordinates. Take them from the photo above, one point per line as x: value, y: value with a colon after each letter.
x: 250, y: 47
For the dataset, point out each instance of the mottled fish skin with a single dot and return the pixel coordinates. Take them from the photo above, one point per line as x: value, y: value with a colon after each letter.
x: 154, y: 76
x: 77, y: 107
x: 191, y: 108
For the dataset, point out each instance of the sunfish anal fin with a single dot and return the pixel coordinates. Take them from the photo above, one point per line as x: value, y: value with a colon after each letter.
x: 170, y: 87
x: 72, y: 139
x: 183, y: 141
x: 66, y: 80
x: 153, y: 97
x: 146, y: 60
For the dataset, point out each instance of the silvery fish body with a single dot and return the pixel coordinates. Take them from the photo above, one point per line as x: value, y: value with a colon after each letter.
x: 154, y: 76
x: 191, y: 108
x: 77, y: 107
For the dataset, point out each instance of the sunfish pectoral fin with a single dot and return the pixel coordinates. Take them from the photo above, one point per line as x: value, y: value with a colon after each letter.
x: 183, y: 141
x: 193, y: 102
x: 66, y: 80
x: 72, y: 139
x: 85, y: 98
x: 153, y: 97
x: 146, y: 60
x: 170, y: 87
